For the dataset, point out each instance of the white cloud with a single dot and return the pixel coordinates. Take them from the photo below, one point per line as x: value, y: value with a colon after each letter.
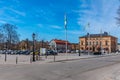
x: 101, y: 15
x: 10, y: 19
x: 39, y: 25
x: 75, y: 32
x: 2, y: 21
x: 56, y: 27
x: 6, y: 15
x: 16, y: 11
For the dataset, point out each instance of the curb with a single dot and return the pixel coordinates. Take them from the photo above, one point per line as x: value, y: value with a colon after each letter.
x: 82, y: 58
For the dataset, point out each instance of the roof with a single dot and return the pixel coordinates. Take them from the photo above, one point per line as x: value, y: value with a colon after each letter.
x: 63, y: 42
x: 105, y: 34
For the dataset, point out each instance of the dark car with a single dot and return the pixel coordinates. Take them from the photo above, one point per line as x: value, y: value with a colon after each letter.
x: 60, y: 51
x: 51, y: 52
x: 97, y: 53
x: 28, y: 52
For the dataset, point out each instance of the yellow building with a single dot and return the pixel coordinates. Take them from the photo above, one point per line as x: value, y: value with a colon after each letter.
x: 98, y: 42
x: 74, y: 46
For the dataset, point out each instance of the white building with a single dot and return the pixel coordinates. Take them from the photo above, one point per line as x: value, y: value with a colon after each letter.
x: 59, y: 45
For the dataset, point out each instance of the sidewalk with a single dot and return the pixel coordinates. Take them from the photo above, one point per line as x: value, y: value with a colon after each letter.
x: 71, y: 57
x: 66, y: 58
x: 11, y: 59
x: 25, y: 59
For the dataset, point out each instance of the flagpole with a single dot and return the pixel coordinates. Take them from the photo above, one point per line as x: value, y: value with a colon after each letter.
x: 65, y: 25
x: 66, y: 40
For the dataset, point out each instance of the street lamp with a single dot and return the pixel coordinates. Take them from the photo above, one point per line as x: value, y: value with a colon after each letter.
x: 33, y: 36
x: 6, y: 51
x: 79, y: 48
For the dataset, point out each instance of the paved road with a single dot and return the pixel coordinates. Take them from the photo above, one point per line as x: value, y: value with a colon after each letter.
x: 70, y: 70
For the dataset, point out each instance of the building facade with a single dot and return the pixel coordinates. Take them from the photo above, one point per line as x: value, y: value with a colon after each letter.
x: 28, y: 45
x: 98, y: 42
x: 74, y: 46
x: 57, y: 45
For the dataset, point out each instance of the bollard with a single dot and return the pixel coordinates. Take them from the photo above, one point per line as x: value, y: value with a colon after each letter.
x: 54, y: 57
x: 5, y: 56
x: 46, y: 56
x: 16, y: 60
x: 30, y: 59
x: 39, y: 58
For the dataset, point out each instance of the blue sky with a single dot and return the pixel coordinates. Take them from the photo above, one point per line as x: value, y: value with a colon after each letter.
x: 46, y: 17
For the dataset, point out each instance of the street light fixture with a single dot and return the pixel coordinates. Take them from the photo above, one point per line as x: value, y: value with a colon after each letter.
x: 33, y: 36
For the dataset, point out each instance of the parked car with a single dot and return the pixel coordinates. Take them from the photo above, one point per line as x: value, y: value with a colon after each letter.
x: 73, y: 51
x: 97, y: 53
x: 83, y: 51
x: 60, y: 51
x: 51, y: 52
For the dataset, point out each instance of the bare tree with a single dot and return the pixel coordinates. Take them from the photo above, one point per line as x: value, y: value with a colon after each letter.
x: 1, y: 34
x: 10, y: 34
x: 1, y: 37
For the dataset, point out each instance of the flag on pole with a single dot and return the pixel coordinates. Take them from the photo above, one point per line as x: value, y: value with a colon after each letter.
x: 65, y: 21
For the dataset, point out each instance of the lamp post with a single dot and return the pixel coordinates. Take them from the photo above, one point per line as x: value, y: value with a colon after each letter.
x: 6, y: 51
x: 39, y: 50
x: 79, y: 49
x: 33, y: 36
x: 27, y: 44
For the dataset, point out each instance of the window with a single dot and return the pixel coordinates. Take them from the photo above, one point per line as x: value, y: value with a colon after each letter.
x: 97, y: 43
x: 93, y: 42
x: 100, y: 42
x: 106, y: 42
x: 81, y: 48
x: 90, y: 43
x: 87, y: 43
x: 90, y: 48
x: 81, y: 42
